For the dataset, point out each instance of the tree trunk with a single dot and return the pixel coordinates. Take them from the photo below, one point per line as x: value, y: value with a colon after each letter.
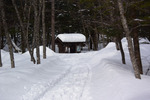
x: 129, y: 40
x: 137, y: 51
x: 26, y: 37
x: 104, y: 42
x: 117, y: 43
x: 24, y: 30
x: 91, y: 41
x: 44, y: 34
x: 95, y: 41
x: 53, y: 24
x: 0, y: 59
x: 22, y: 27
x: 37, y: 12
x: 121, y: 50
x: 7, y: 34
x: 0, y: 41
x: 91, y: 44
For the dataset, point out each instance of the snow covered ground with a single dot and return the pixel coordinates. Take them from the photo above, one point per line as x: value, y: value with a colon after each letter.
x: 98, y: 75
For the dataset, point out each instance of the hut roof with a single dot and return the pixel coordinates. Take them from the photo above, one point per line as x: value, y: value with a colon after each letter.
x: 71, y: 37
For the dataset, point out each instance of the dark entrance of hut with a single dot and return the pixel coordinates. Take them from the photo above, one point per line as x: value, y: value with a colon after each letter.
x: 73, y: 49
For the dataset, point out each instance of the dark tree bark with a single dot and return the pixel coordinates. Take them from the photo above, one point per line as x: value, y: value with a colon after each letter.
x: 95, y: 41
x: 23, y: 47
x: 26, y: 37
x: 37, y: 13
x: 0, y: 41
x: 44, y: 34
x: 121, y: 50
x: 91, y: 44
x: 24, y: 28
x: 129, y: 40
x: 117, y: 44
x: 53, y: 23
x: 0, y: 59
x: 7, y: 34
x: 137, y: 51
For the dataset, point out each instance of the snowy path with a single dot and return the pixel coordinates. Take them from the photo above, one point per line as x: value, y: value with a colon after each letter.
x: 72, y: 85
x: 69, y: 86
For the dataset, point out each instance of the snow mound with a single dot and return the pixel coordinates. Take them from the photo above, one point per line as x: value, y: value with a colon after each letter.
x: 144, y: 41
x: 49, y: 51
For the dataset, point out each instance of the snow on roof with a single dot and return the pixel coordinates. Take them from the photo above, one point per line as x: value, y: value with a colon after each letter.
x: 72, y: 37
x: 140, y: 20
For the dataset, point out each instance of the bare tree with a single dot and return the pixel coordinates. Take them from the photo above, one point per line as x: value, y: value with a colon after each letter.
x: 37, y: 12
x: 7, y: 34
x: 121, y: 50
x: 24, y: 26
x: 137, y: 51
x: 53, y: 23
x: 31, y: 50
x: 0, y: 41
x: 0, y: 59
x: 129, y: 40
x: 44, y: 34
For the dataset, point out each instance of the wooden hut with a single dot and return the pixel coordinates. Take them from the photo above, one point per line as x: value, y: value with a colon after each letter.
x: 70, y: 42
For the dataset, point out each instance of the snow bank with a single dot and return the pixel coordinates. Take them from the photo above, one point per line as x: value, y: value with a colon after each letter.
x: 114, y: 81
x: 28, y: 80
x: 49, y: 51
x: 96, y: 75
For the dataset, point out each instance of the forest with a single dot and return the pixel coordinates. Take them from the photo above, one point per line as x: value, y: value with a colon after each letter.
x: 25, y: 25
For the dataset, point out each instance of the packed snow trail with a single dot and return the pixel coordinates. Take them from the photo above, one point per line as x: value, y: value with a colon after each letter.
x: 72, y: 86
x: 69, y: 86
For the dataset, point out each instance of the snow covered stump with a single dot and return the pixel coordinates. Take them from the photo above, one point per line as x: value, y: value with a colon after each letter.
x: 70, y: 42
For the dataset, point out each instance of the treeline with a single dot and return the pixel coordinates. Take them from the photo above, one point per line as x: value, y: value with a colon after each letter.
x: 27, y: 24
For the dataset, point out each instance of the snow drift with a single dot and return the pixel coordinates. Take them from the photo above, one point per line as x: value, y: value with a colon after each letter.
x: 96, y: 75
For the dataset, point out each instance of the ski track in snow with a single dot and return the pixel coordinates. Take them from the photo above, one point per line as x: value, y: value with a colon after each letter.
x: 39, y: 89
x: 69, y: 86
